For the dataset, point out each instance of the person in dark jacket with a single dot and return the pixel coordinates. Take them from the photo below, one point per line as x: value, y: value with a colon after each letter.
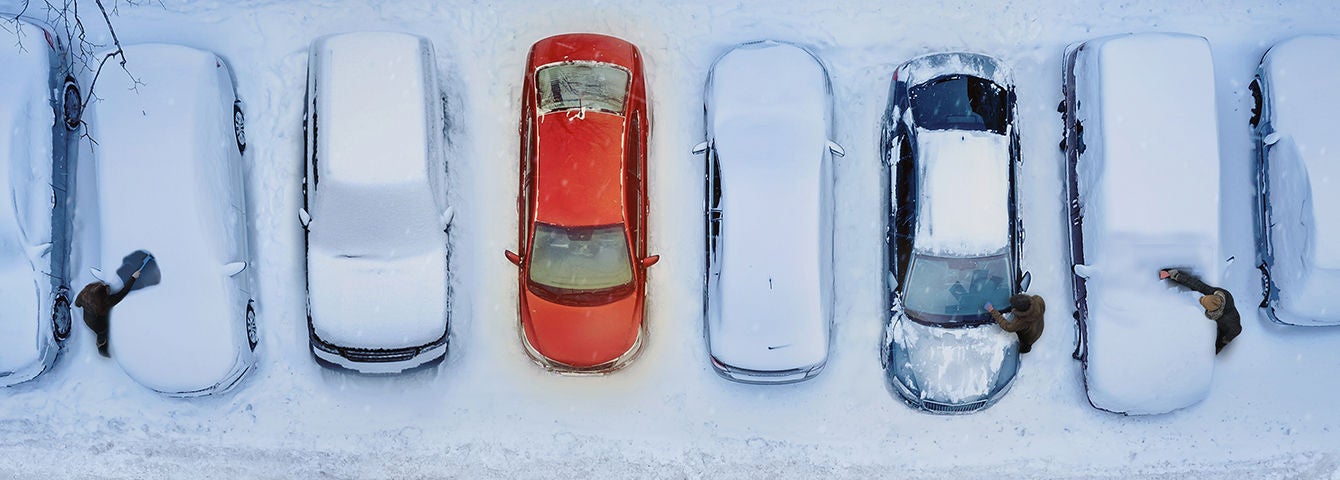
x: 1218, y: 304
x: 1027, y: 323
x: 97, y: 300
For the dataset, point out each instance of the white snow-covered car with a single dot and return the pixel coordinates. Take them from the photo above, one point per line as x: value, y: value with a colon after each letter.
x: 769, y: 213
x: 1142, y: 149
x: 1298, y: 166
x: 950, y: 150
x: 376, y: 205
x: 39, y: 109
x: 168, y: 163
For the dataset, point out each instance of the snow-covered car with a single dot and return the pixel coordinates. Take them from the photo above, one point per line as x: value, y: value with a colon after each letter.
x: 768, y: 305
x: 39, y: 110
x: 1142, y: 177
x: 168, y: 162
x: 953, y: 242
x: 1298, y: 163
x: 582, y: 204
x: 376, y: 204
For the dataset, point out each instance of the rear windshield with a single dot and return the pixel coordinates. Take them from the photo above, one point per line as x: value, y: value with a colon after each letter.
x: 595, y: 86
x: 960, y: 102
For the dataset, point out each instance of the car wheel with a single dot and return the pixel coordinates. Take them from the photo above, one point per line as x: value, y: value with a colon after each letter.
x: 239, y: 129
x: 252, y: 337
x: 73, y: 104
x: 60, y: 317
x: 1255, y: 87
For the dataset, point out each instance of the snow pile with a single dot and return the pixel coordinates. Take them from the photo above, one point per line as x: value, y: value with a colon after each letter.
x: 965, y: 179
x: 26, y: 195
x: 1304, y: 176
x: 166, y: 182
x: 1149, y: 190
x: 377, y: 252
x: 768, y: 111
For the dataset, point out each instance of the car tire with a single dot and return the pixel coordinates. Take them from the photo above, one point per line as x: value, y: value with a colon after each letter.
x: 60, y: 317
x: 72, y: 107
x: 252, y: 337
x: 239, y: 127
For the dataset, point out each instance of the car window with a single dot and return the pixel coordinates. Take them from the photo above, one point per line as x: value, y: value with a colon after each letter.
x: 953, y: 290
x: 594, y: 86
x: 960, y: 102
x: 578, y: 259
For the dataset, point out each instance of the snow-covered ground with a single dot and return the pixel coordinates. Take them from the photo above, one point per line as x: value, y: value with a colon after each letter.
x: 488, y: 412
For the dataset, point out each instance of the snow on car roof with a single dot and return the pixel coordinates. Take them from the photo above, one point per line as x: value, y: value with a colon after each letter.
x: 1300, y: 74
x: 1158, y: 133
x: 165, y: 147
x: 25, y: 203
x: 369, y: 98
x: 964, y: 206
x: 770, y: 110
x: 1149, y: 186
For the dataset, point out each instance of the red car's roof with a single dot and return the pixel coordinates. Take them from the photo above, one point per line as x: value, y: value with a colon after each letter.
x: 579, y: 168
x: 583, y: 47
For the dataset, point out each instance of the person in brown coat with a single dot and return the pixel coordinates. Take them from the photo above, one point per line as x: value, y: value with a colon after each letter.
x: 1218, y: 304
x: 97, y: 301
x: 1027, y: 322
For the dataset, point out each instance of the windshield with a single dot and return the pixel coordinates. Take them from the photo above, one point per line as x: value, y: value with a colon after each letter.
x: 960, y: 102
x: 955, y: 290
x: 595, y: 86
x: 568, y: 260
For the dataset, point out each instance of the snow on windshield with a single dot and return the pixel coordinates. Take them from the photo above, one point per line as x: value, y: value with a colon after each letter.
x: 941, y: 289
x: 595, y: 86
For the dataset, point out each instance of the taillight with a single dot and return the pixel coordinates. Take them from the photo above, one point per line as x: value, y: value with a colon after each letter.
x: 50, y: 42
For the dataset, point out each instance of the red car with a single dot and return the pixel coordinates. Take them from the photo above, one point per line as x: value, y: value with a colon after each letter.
x: 582, y: 203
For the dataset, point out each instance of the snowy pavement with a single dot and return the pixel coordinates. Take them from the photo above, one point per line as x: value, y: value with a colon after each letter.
x: 488, y: 412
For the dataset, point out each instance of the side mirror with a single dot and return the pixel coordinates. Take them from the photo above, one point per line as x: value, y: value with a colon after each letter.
x: 234, y: 268
x: 513, y: 257
x: 836, y: 149
x: 700, y: 148
x: 1271, y: 139
x: 304, y: 218
x: 649, y: 261
x: 447, y: 216
x: 97, y: 273
x: 1025, y: 281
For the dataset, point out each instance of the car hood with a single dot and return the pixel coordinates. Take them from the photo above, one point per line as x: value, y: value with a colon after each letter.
x: 951, y: 365
x: 584, y: 336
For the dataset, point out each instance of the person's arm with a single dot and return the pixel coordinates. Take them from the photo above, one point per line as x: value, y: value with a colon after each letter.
x: 1005, y: 325
x: 1190, y: 281
x: 130, y: 283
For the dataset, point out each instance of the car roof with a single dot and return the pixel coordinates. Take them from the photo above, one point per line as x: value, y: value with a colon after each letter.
x: 963, y: 204
x: 25, y: 175
x: 165, y: 185
x: 1155, y: 134
x: 769, y: 111
x: 1298, y: 76
x: 372, y: 96
x: 579, y: 168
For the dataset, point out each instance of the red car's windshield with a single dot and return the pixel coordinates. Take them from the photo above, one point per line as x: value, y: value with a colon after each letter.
x: 580, y: 265
x: 594, y: 86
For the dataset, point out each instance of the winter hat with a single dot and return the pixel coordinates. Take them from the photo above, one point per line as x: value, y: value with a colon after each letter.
x: 1211, y: 302
x: 1021, y: 302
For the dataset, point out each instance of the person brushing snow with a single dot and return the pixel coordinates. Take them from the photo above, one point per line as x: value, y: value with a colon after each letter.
x: 1218, y: 304
x: 1027, y: 323
x: 97, y: 300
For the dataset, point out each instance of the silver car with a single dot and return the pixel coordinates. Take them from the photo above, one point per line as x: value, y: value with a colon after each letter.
x: 950, y: 150
x: 39, y: 112
x: 769, y: 285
